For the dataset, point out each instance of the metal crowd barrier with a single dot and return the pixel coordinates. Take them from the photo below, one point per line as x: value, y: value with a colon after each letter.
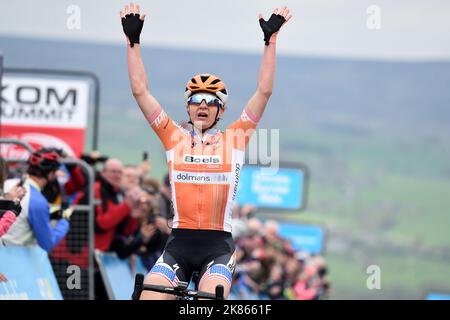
x: 60, y: 269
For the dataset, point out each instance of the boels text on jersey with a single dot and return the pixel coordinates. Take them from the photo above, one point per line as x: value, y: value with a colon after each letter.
x: 188, y: 158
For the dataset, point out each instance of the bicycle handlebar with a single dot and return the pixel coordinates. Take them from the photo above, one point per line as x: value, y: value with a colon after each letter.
x: 182, y: 292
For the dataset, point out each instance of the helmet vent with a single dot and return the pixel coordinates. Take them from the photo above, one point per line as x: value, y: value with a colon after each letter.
x: 224, y: 91
x: 211, y: 88
x: 215, y: 81
x: 204, y: 78
x: 194, y: 81
x: 195, y: 87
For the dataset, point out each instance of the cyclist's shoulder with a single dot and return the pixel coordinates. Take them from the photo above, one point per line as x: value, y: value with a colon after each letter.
x: 160, y: 119
x: 246, y: 120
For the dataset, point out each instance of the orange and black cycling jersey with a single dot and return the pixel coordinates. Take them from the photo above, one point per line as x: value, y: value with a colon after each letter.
x: 204, y: 173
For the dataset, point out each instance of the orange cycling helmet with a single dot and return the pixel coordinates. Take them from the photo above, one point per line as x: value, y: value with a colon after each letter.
x: 207, y: 83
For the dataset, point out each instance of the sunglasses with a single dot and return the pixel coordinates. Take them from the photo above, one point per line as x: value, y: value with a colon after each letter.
x: 210, y: 100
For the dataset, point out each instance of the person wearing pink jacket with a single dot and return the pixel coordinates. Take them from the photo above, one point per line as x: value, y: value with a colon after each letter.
x: 11, y: 199
x: 6, y: 221
x: 9, y: 217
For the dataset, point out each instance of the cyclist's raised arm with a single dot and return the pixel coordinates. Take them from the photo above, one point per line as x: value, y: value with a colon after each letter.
x: 132, y: 23
x: 139, y: 83
x: 257, y: 103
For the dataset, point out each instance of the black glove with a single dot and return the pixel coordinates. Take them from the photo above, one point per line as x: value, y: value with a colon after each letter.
x: 56, y: 214
x: 271, y: 26
x: 59, y: 214
x: 132, y: 26
x: 8, y: 205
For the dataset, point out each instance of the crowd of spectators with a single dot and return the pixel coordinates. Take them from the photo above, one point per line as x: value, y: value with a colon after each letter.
x: 133, y: 219
x: 268, y: 267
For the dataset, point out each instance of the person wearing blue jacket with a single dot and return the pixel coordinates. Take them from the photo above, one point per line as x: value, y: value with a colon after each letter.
x: 33, y: 224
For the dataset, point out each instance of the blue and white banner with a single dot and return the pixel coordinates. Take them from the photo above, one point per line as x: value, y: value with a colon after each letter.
x: 117, y: 274
x: 29, y: 275
x: 304, y: 237
x: 262, y: 188
x: 437, y: 296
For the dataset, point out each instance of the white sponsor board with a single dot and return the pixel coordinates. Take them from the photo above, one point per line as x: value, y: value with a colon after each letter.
x: 40, y: 102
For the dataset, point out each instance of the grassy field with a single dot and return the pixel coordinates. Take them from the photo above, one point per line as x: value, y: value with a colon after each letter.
x: 402, y: 276
x: 387, y: 200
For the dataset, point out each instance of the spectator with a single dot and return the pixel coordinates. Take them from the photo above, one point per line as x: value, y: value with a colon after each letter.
x: 8, y: 216
x: 322, y: 283
x: 10, y: 200
x: 240, y: 217
x: 33, y: 225
x: 6, y: 221
x: 74, y: 245
x: 269, y: 268
x: 151, y: 183
x: 274, y: 287
x: 254, y: 227
x: 69, y: 180
x: 271, y: 235
x: 16, y: 192
x: 130, y: 178
x: 153, y: 189
x: 307, y: 286
x: 149, y: 236
x: 13, y: 197
x: 113, y: 210
x: 115, y: 207
x: 74, y: 249
x: 165, y: 196
x: 271, y: 230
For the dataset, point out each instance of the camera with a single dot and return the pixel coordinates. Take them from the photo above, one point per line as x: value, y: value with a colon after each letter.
x: 93, y: 160
x: 151, y: 217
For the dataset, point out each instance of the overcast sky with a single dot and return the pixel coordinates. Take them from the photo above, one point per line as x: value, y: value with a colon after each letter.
x: 409, y: 29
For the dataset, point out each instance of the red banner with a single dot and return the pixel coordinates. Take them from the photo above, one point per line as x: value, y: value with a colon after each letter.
x: 70, y: 140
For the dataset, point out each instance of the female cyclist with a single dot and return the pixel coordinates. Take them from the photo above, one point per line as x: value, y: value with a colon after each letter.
x: 204, y: 163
